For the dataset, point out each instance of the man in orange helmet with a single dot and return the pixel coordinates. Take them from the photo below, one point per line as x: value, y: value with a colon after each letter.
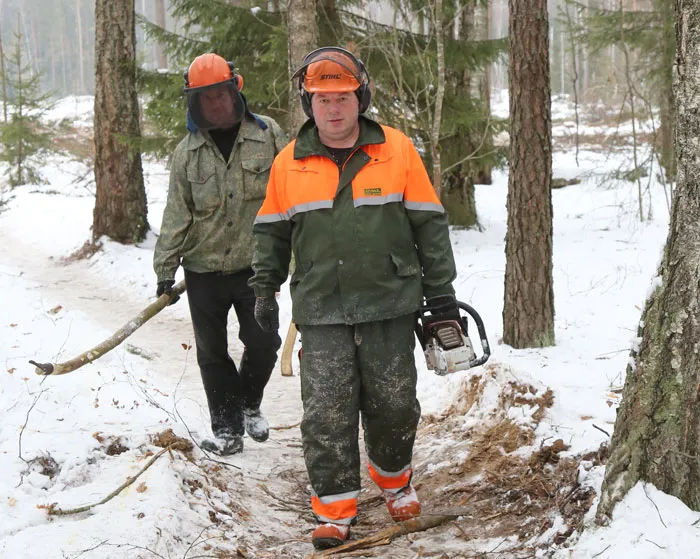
x: 218, y: 176
x: 352, y: 201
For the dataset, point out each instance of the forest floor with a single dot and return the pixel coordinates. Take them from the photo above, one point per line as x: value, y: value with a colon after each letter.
x: 511, y: 453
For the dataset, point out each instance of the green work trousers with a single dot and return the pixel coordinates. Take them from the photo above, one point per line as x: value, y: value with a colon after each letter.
x: 365, y: 369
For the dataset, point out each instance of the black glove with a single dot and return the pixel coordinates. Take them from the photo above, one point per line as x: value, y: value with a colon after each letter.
x: 267, y: 313
x: 166, y: 287
x: 443, y: 307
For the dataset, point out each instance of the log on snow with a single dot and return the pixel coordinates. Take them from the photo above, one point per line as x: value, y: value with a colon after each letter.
x: 387, y: 535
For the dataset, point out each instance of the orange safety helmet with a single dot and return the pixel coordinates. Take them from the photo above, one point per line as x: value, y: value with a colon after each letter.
x: 332, y: 70
x: 209, y: 72
x: 211, y: 69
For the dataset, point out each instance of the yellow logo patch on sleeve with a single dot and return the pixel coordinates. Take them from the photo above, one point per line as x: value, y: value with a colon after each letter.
x: 373, y: 191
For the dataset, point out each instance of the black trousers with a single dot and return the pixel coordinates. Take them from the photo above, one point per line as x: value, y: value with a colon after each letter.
x: 229, y: 389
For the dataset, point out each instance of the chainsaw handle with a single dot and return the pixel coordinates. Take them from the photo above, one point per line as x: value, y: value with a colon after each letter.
x: 482, y: 334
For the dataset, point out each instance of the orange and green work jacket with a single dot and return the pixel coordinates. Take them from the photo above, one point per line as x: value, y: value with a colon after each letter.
x: 369, y: 241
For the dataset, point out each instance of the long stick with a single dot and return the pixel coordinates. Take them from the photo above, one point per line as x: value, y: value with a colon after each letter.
x: 386, y: 536
x: 110, y: 343
x: 52, y: 510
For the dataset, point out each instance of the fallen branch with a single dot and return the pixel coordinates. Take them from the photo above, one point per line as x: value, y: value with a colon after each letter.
x: 53, y: 510
x: 386, y: 536
x: 560, y: 183
x: 110, y: 343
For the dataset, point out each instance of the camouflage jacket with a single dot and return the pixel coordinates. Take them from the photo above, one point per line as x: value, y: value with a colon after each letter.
x: 208, y: 219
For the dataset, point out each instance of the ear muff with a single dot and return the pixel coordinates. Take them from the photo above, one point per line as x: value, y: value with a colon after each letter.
x: 305, y: 98
x: 363, y: 92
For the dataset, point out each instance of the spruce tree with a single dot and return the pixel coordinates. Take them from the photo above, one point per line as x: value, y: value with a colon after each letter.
x: 23, y: 135
x: 401, y: 58
x: 648, y: 40
x: 403, y: 63
x: 254, y: 39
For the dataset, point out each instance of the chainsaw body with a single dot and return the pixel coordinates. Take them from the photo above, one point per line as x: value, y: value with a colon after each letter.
x: 446, y: 343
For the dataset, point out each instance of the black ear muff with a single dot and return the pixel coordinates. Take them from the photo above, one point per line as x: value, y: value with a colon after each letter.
x: 364, y: 93
x: 305, y: 97
x: 184, y: 75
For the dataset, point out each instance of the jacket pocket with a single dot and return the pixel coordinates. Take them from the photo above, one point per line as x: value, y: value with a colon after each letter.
x: 406, y: 266
x: 255, y: 175
x: 300, y: 271
x: 205, y: 190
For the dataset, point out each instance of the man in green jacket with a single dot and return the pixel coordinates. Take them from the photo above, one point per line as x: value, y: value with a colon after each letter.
x: 352, y: 201
x: 217, y: 184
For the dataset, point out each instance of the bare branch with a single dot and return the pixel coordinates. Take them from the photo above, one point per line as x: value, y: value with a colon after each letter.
x: 113, y: 341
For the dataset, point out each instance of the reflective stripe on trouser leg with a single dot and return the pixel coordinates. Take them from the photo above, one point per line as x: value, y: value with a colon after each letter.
x: 391, y: 482
x: 330, y: 392
x: 338, y: 509
x: 390, y: 409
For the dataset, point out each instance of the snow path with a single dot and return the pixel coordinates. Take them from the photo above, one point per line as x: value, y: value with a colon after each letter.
x: 93, y: 306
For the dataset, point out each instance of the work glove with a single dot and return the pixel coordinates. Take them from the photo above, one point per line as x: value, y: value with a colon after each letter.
x: 166, y: 286
x: 443, y: 307
x: 267, y: 313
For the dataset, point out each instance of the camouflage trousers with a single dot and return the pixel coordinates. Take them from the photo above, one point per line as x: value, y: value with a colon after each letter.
x: 364, y: 369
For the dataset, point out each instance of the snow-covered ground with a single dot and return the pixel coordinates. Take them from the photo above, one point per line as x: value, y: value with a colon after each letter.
x: 69, y: 441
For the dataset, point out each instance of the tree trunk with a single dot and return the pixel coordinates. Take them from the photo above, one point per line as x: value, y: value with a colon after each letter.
x: 483, y: 80
x: 458, y: 198
x: 657, y: 432
x: 161, y: 60
x: 19, y: 102
x: 528, y: 312
x: 120, y: 204
x: 302, y: 38
x: 3, y: 81
x: 439, y: 97
x: 81, y: 55
x: 64, y: 61
x: 667, y: 115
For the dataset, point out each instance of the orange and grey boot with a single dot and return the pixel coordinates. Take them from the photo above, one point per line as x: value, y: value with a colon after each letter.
x: 335, y: 514
x: 399, y: 495
x: 330, y: 535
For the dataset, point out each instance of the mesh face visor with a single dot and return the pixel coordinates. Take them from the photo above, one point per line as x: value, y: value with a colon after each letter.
x: 215, y: 106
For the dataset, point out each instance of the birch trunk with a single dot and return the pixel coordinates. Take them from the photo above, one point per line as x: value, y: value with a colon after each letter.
x: 439, y: 96
x: 657, y: 432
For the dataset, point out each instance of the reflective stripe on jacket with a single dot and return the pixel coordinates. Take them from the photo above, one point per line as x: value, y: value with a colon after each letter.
x: 369, y: 241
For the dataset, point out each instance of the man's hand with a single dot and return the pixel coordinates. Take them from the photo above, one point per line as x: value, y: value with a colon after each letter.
x: 166, y: 287
x: 267, y: 313
x: 443, y: 307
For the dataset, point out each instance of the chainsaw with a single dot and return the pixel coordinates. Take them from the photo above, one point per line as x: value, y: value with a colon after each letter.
x: 446, y: 343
